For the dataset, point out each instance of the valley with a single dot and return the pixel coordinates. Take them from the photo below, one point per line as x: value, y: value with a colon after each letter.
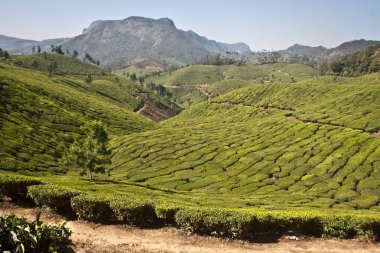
x: 149, y: 138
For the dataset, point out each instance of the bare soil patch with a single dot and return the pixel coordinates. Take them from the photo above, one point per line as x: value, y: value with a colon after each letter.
x: 91, y: 237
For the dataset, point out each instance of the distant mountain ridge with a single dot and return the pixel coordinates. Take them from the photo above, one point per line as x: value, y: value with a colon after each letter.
x: 345, y: 48
x: 23, y: 46
x: 117, y: 42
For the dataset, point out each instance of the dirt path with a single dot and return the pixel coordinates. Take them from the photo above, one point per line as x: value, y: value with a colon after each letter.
x: 90, y: 237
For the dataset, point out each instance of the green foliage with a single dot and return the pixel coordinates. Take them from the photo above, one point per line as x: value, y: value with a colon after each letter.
x: 134, y: 211
x: 57, y: 197
x: 90, y: 152
x: 16, y: 186
x: 167, y: 211
x: 248, y: 223
x: 4, y: 53
x: 359, y: 63
x: 92, y: 207
x: 18, y: 235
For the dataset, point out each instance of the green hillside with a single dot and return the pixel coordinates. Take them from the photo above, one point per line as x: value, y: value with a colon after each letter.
x: 275, y: 146
x: 208, y: 74
x: 39, y: 114
x: 196, y: 83
x: 227, y: 85
x: 267, y: 158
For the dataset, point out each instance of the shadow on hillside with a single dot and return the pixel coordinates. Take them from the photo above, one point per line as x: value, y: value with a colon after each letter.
x: 111, y: 181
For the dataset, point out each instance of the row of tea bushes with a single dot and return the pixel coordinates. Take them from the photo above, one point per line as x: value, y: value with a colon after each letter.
x: 236, y: 223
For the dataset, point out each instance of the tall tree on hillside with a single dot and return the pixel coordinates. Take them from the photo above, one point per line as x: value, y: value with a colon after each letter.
x: 89, y: 151
x: 39, y: 49
x: 52, y: 67
x: 75, y: 54
x: 33, y: 49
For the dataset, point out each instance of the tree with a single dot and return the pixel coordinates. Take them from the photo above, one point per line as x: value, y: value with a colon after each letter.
x: 75, y: 54
x: 33, y: 49
x: 34, y: 64
x: 88, y: 79
x: 38, y: 49
x: 89, y: 151
x: 52, y: 67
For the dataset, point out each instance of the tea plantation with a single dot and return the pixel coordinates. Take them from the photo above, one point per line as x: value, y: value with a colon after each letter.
x: 194, y: 84
x: 274, y: 146
x: 264, y: 159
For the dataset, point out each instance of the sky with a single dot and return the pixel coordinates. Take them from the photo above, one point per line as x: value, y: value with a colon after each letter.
x: 262, y: 24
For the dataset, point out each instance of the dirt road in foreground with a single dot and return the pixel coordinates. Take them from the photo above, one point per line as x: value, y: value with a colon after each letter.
x: 90, y: 237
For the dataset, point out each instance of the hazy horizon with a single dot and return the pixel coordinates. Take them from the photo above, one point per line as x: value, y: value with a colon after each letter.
x: 271, y: 25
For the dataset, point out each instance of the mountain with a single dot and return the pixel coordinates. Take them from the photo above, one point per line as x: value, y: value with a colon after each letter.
x: 297, y: 49
x: 23, y: 46
x: 345, y: 48
x: 117, y: 42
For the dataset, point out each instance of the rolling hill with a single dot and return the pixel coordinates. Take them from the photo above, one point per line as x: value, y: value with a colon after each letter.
x: 42, y: 114
x: 196, y: 83
x: 269, y: 158
x: 275, y: 146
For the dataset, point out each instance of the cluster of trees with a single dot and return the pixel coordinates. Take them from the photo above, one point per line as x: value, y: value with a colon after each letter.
x: 4, y: 53
x: 91, y: 59
x: 363, y: 62
x: 159, y: 89
x: 38, y: 49
x: 220, y: 60
x: 57, y: 49
x: 304, y: 59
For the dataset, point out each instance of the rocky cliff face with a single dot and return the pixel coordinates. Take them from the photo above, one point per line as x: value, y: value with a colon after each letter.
x: 117, y: 42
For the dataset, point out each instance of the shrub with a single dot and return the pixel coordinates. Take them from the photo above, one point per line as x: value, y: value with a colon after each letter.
x: 213, y: 221
x: 247, y: 223
x: 57, y: 197
x: 134, y: 211
x: 92, y: 208
x: 15, y: 187
x: 19, y: 235
x: 167, y: 212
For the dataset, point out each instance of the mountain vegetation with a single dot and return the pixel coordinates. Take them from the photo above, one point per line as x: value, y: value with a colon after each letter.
x: 359, y: 63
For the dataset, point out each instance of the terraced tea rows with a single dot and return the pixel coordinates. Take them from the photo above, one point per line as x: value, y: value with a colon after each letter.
x: 182, y: 83
x: 244, y: 147
x: 39, y: 115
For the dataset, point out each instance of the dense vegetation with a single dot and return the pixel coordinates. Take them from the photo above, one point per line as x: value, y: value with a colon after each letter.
x: 245, y: 222
x: 359, y: 63
x: 18, y: 235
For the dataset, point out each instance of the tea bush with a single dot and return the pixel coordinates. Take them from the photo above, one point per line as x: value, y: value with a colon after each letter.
x: 15, y: 186
x: 134, y: 211
x: 57, y: 197
x: 93, y: 208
